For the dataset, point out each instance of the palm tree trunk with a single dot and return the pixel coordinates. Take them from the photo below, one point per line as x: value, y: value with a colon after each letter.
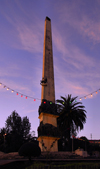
x: 68, y: 137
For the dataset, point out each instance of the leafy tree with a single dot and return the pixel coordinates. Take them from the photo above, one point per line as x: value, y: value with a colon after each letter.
x: 72, y: 116
x: 14, y: 124
x: 17, y: 131
x: 29, y: 149
x: 2, y: 132
x: 84, y: 138
x: 85, y: 143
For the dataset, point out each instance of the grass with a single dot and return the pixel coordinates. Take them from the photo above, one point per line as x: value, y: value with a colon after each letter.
x: 53, y: 165
x: 45, y: 165
x: 68, y: 165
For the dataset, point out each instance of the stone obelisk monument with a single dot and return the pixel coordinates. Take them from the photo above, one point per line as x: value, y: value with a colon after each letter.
x: 48, y: 92
x: 47, y: 131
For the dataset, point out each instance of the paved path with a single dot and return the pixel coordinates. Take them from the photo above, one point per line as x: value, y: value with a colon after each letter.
x: 2, y: 162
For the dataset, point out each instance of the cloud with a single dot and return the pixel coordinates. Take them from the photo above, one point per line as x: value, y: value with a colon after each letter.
x: 64, y: 86
x: 31, y: 111
x: 70, y: 53
x: 27, y: 35
x: 17, y: 87
x: 82, y: 69
x: 31, y: 38
x: 90, y: 28
x: 83, y: 17
x: 6, y: 69
x: 89, y: 117
x: 79, y: 82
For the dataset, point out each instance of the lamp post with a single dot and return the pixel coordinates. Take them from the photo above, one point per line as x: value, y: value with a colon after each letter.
x: 4, y: 139
x: 72, y: 142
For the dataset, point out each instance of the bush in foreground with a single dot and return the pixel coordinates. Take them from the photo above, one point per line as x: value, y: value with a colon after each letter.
x: 29, y: 149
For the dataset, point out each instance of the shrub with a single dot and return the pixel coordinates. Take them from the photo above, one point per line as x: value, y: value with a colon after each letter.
x: 29, y: 149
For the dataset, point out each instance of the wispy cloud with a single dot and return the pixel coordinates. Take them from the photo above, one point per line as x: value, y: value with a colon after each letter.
x: 82, y: 18
x: 6, y: 69
x: 31, y: 111
x: 89, y: 28
x: 28, y: 35
x: 82, y: 70
x: 64, y: 85
x: 31, y: 38
x: 17, y: 87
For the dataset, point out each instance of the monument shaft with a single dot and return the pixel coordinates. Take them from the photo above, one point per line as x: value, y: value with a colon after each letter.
x: 48, y: 90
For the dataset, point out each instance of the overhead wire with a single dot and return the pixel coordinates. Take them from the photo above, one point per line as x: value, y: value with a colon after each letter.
x: 19, y: 93
x: 26, y: 96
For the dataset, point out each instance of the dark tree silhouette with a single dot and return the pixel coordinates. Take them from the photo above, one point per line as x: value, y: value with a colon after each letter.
x: 17, y: 131
x: 29, y: 150
x: 72, y: 116
x: 14, y: 124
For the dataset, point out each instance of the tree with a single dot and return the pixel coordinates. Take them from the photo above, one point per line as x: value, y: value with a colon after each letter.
x: 17, y: 131
x: 2, y: 133
x: 83, y: 138
x: 14, y: 124
x: 2, y: 138
x: 29, y: 149
x: 72, y: 116
x: 25, y: 127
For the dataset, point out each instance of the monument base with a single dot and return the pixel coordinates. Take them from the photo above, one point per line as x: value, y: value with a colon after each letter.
x: 47, y: 142
x: 48, y: 118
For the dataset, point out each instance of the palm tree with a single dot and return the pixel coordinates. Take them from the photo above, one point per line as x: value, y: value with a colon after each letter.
x: 72, y: 116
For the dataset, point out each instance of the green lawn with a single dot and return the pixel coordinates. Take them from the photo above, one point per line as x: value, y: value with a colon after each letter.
x: 53, y: 165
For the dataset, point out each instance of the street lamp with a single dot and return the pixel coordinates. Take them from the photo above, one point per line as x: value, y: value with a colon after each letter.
x: 4, y: 137
x: 4, y: 140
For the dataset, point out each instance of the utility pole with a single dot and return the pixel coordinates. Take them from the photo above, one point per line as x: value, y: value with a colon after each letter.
x: 4, y: 137
x: 85, y: 145
x: 5, y: 141
x: 72, y: 143
x: 91, y: 136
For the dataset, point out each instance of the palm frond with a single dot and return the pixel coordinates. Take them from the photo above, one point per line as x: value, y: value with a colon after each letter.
x: 72, y: 114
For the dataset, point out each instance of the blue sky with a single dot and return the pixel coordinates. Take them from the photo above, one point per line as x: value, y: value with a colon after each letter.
x: 76, y: 41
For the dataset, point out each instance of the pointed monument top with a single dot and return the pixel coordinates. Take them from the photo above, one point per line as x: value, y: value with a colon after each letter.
x: 47, y: 18
x: 47, y: 82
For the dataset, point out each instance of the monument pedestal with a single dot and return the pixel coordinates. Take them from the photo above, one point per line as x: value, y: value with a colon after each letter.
x: 48, y: 118
x: 48, y: 142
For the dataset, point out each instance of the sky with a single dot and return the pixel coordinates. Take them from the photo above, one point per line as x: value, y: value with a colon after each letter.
x: 76, y: 54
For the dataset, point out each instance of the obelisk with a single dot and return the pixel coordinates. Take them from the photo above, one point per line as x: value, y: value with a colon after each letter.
x: 48, y: 91
x: 47, y: 131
